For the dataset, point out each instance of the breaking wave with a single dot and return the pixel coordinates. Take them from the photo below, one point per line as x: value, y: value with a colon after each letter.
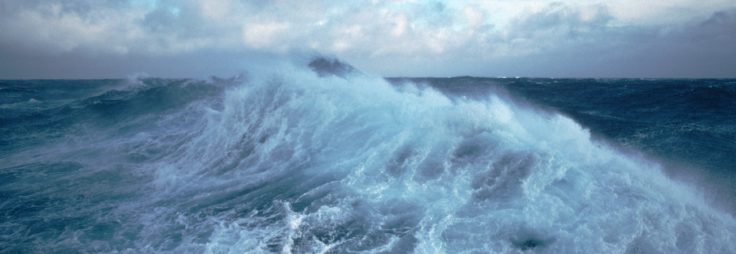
x: 296, y: 162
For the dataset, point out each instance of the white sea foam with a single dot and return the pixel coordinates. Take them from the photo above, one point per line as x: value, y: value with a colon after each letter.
x: 290, y: 162
x: 354, y: 164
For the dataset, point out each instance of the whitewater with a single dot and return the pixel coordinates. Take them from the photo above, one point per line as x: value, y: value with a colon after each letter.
x: 293, y: 160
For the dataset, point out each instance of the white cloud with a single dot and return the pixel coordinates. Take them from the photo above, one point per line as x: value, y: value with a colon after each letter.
x: 269, y: 34
x: 368, y: 33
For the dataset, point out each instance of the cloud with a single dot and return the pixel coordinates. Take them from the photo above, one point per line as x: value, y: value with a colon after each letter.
x: 409, y: 37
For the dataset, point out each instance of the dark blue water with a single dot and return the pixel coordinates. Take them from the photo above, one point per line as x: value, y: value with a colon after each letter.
x: 295, y: 162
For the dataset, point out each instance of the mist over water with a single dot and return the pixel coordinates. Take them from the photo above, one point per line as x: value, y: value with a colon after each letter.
x: 687, y: 125
x: 298, y: 161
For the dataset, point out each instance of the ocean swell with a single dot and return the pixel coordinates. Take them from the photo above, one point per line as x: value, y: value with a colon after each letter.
x: 295, y: 162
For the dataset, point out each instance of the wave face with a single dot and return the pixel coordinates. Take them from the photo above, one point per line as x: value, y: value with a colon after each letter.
x: 297, y: 163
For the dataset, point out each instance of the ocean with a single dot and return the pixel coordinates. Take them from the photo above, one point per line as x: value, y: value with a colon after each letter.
x: 292, y: 160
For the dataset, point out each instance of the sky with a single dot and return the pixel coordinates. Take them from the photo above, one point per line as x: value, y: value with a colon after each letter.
x: 530, y: 38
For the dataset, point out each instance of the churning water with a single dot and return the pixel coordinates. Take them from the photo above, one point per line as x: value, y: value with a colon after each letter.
x: 293, y: 161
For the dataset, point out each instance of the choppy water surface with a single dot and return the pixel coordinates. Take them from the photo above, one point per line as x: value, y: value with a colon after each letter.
x: 294, y: 162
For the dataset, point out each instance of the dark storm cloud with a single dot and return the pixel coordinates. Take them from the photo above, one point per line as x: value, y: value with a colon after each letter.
x: 704, y: 49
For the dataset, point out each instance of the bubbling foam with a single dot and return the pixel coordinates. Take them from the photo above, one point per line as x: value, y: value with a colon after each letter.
x: 298, y: 163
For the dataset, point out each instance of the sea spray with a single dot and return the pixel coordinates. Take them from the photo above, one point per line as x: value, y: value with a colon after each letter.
x: 290, y: 161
